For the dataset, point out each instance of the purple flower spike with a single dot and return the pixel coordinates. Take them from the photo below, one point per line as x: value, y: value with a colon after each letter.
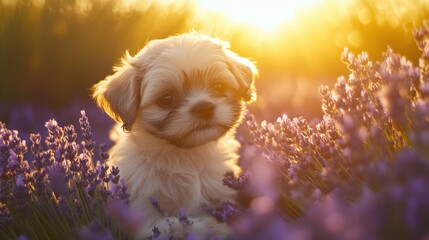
x: 104, y: 155
x: 12, y: 161
x: 154, y: 202
x: 85, y: 127
x: 63, y: 182
x: 58, y: 181
x: 127, y: 219
x: 21, y: 196
x: 234, y: 182
x: 53, y: 129
x: 183, y: 218
x: 114, y: 175
x: 225, y: 212
x: 36, y: 146
x: 19, y: 181
x: 70, y: 133
x: 94, y: 232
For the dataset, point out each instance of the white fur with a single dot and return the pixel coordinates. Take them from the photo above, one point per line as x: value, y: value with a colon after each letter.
x: 181, y: 164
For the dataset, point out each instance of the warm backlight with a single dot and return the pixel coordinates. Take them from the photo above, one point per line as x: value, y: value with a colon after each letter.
x: 266, y: 15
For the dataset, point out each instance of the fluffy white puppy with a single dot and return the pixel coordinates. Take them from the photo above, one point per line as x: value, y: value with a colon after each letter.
x: 179, y: 101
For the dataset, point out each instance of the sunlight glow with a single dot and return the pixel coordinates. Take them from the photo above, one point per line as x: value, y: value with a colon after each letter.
x: 266, y: 15
x: 143, y: 5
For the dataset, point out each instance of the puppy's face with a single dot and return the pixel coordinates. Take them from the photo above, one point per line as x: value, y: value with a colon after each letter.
x: 188, y: 89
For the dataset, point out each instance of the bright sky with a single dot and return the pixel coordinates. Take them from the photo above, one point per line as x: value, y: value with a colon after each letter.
x: 265, y: 14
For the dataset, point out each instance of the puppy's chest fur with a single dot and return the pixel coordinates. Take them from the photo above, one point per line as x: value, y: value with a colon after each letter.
x: 178, y: 178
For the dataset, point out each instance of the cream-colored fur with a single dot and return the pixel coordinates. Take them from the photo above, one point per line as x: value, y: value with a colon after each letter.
x: 176, y: 177
x: 167, y: 152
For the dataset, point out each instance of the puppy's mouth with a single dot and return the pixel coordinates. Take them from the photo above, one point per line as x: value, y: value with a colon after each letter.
x: 201, y: 133
x: 201, y: 126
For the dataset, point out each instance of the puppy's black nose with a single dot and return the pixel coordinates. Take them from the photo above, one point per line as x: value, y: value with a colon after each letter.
x: 203, y: 110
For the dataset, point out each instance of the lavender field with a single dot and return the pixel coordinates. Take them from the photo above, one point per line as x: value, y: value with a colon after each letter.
x: 350, y: 163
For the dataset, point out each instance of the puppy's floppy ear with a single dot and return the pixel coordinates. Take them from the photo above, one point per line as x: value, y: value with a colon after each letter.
x: 119, y: 94
x: 244, y: 72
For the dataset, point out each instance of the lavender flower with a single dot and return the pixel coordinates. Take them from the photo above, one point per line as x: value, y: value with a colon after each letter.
x: 94, y: 232
x: 104, y: 155
x: 62, y: 190
x: 154, y: 202
x: 225, y: 212
x: 360, y: 171
x: 234, y: 182
x: 57, y: 179
x: 87, y: 142
x: 125, y: 218
x: 183, y: 218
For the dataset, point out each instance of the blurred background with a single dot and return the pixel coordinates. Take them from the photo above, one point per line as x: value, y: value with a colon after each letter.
x: 53, y: 51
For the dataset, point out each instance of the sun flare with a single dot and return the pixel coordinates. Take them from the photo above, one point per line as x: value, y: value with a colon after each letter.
x: 266, y: 15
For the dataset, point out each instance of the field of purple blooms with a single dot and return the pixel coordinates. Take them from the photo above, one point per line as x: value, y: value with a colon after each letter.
x: 361, y: 172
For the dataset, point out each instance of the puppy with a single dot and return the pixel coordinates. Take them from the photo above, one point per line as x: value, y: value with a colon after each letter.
x: 179, y: 101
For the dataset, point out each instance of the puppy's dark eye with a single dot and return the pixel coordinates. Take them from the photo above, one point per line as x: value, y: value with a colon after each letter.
x: 166, y: 101
x: 219, y: 87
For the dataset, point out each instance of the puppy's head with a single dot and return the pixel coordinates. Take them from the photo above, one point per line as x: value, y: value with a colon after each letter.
x: 188, y: 89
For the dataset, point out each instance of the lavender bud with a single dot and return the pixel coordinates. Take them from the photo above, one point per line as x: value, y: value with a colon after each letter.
x: 154, y: 202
